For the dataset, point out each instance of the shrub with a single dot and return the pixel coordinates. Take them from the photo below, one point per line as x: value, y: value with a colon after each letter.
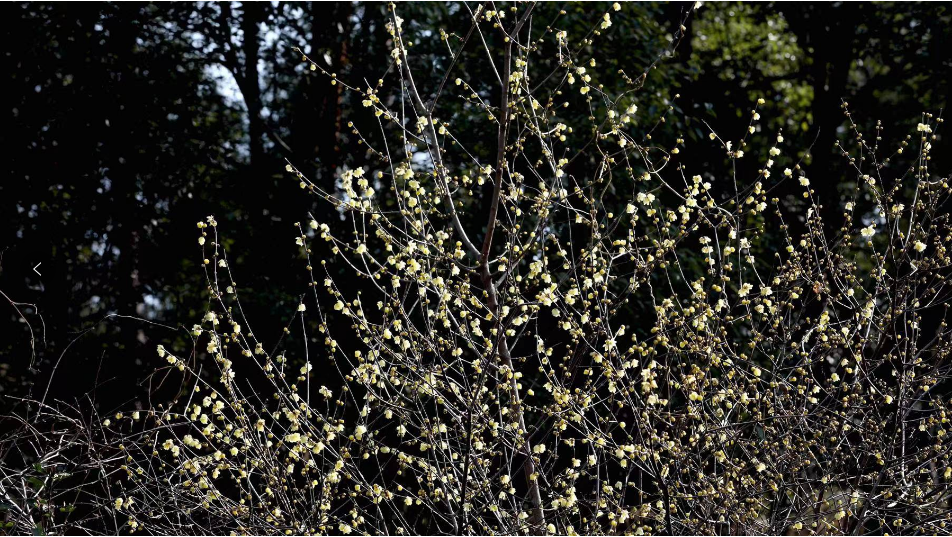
x: 570, y: 332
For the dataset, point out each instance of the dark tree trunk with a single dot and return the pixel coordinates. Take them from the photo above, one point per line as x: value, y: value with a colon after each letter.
x: 317, y: 123
x: 828, y: 32
x: 252, y: 17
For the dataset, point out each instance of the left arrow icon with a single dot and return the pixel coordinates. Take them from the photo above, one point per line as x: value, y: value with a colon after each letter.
x: 36, y: 267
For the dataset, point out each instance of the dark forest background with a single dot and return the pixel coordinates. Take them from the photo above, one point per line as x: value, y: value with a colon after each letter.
x: 124, y: 124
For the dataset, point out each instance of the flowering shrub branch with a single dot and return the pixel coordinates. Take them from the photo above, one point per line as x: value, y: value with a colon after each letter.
x: 541, y: 347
